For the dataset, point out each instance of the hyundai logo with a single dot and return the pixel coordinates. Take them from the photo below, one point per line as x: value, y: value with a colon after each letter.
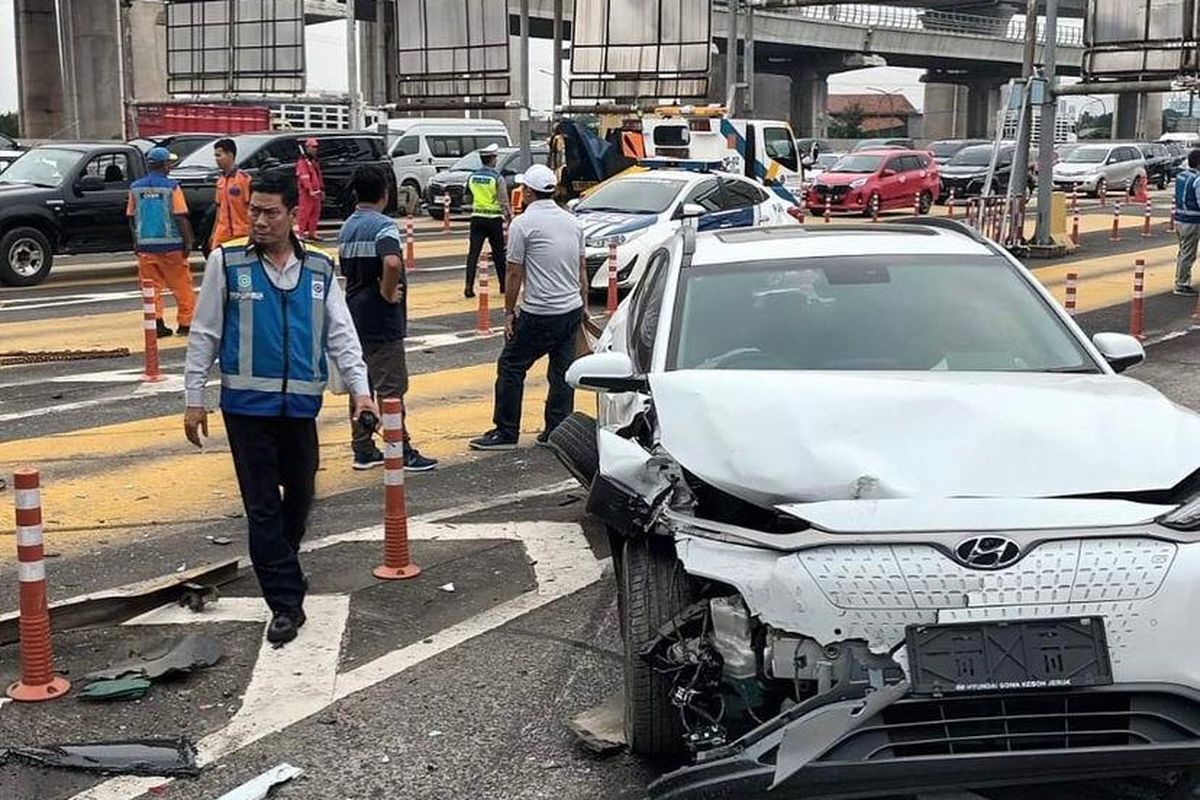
x: 988, y: 552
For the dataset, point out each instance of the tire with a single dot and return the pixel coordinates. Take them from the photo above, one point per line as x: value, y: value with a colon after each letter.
x: 872, y: 202
x: 925, y: 205
x: 655, y: 591
x: 25, y: 257
x: 408, y: 199
x: 1163, y: 180
x: 436, y: 213
x: 1101, y: 188
x: 574, y: 443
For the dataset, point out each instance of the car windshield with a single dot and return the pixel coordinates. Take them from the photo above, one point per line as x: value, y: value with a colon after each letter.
x: 1087, y: 155
x: 895, y: 312
x: 468, y: 163
x: 205, y: 159
x: 944, y: 149
x: 42, y: 166
x: 633, y: 196
x: 827, y: 161
x: 978, y: 156
x: 858, y: 164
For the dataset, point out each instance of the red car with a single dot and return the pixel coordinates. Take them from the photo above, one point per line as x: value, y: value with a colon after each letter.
x: 877, y: 179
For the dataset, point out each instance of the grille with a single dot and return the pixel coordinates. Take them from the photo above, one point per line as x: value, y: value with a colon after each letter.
x: 455, y: 192
x: 836, y: 194
x: 595, y: 264
x: 1014, y: 723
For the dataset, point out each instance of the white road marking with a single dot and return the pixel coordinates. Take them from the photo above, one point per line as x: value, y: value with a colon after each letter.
x: 172, y: 385
x: 276, y: 698
x: 62, y: 301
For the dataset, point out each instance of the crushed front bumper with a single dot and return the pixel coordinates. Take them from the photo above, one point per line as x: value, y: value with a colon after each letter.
x: 900, y: 744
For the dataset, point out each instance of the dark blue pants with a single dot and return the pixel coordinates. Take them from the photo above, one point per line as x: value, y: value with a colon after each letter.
x: 536, y: 336
x: 276, y: 463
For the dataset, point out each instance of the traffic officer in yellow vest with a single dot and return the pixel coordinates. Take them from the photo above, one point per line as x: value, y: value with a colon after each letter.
x: 272, y: 310
x: 489, y: 211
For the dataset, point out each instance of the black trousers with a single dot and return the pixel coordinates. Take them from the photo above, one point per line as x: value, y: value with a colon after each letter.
x: 534, y: 336
x: 387, y: 371
x: 492, y: 230
x: 276, y: 462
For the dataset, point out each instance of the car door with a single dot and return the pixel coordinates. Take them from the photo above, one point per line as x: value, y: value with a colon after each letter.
x: 743, y: 203
x: 707, y: 195
x: 94, y: 209
x: 893, y: 187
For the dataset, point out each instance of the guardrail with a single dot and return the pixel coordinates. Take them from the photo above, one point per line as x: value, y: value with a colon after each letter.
x: 939, y: 22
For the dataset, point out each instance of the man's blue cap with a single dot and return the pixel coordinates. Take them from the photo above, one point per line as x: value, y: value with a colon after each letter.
x: 158, y: 155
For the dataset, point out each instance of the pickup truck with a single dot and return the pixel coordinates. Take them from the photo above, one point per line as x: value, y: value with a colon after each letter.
x: 64, y: 198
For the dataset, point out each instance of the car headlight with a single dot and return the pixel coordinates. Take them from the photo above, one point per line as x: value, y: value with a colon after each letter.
x: 1184, y: 518
x: 617, y: 239
x: 858, y: 183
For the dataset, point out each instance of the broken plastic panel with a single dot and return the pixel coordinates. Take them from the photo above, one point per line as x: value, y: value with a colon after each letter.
x: 191, y: 652
x: 168, y: 758
x: 120, y: 689
x: 260, y: 787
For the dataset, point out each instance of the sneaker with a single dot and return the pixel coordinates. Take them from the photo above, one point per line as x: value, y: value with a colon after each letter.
x: 415, y: 462
x: 1186, y: 291
x: 493, y: 440
x: 543, y: 439
x: 285, y: 625
x: 368, y: 460
x: 468, y: 293
x: 184, y: 330
x: 162, y: 330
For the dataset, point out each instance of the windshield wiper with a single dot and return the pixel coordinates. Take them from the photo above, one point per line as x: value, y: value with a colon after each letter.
x: 1071, y: 370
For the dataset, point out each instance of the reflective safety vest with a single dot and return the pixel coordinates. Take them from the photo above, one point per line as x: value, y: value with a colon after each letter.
x: 485, y: 193
x: 155, y: 226
x: 273, y: 346
x: 1187, y: 204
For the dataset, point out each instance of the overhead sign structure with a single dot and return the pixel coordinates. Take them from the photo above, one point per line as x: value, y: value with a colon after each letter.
x: 453, y: 50
x: 231, y: 47
x: 626, y: 50
x: 1141, y: 39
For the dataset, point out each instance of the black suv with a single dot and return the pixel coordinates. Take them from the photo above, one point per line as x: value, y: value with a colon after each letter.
x: 966, y: 172
x: 453, y: 182
x: 1160, y: 163
x: 64, y: 197
x: 340, y: 153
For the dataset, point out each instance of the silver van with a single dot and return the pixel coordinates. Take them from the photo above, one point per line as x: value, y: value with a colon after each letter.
x: 1100, y: 168
x: 421, y: 147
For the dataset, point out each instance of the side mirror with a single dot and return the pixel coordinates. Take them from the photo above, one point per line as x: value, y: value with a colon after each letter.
x: 571, y: 204
x: 91, y: 183
x: 806, y: 161
x: 606, y: 372
x: 270, y: 163
x: 1120, y: 350
x: 887, y: 173
x: 690, y: 211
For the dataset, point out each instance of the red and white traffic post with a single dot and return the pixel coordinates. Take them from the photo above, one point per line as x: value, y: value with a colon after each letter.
x: 483, y: 325
x: 1072, y: 280
x: 397, y: 560
x: 1137, y: 311
x: 1171, y: 219
x: 1148, y: 219
x: 150, y: 329
x: 950, y: 205
x: 610, y: 302
x: 1115, y: 236
x: 38, y: 681
x: 916, y: 204
x: 828, y: 210
x: 410, y: 239
x: 1075, y: 226
x: 445, y: 213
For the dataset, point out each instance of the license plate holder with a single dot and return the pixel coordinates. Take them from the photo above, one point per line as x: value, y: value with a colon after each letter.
x: 1009, y: 655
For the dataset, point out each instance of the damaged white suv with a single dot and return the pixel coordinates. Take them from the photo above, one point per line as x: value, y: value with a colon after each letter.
x: 884, y: 520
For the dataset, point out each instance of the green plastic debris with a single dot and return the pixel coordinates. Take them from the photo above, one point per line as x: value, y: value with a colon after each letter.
x: 117, y: 689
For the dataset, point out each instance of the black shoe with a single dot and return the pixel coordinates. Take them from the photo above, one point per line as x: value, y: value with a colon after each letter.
x: 184, y: 330
x: 162, y: 330
x: 468, y: 293
x: 493, y: 440
x: 368, y: 460
x: 543, y: 439
x: 415, y: 462
x: 1186, y: 291
x: 285, y: 625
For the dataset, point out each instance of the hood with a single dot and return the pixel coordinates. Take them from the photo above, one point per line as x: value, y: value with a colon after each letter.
x: 842, y: 178
x: 612, y: 223
x: 195, y: 175
x: 450, y: 178
x: 16, y: 190
x: 967, y: 171
x: 1076, y: 169
x: 784, y: 437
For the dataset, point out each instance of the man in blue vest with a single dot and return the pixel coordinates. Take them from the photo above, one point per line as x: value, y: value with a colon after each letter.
x: 1187, y: 222
x: 272, y: 310
x: 489, y: 211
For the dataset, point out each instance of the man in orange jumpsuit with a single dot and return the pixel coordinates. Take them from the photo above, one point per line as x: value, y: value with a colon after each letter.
x: 311, y: 183
x: 162, y: 238
x: 233, y: 196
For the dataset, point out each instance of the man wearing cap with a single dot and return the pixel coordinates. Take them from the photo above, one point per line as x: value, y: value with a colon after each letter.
x: 162, y: 238
x: 312, y: 191
x: 546, y: 258
x: 489, y: 210
x: 233, y: 196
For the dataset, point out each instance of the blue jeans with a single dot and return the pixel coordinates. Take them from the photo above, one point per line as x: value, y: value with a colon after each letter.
x: 534, y: 336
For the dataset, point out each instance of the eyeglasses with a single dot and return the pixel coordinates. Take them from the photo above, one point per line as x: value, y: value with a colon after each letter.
x: 272, y: 213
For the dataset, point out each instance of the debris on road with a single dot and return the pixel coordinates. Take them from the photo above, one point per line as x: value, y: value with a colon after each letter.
x: 196, y: 596
x: 167, y: 758
x: 221, y: 540
x: 188, y: 653
x: 601, y: 730
x: 16, y: 357
x: 259, y: 788
x: 449, y: 587
x: 116, y: 689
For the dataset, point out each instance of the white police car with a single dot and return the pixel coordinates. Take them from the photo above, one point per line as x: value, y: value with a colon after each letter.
x: 640, y: 210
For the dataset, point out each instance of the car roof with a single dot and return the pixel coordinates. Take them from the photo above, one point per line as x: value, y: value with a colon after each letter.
x: 890, y: 151
x: 85, y: 146
x: 818, y: 241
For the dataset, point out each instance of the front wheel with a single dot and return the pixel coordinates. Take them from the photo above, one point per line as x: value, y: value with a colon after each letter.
x: 874, y: 205
x: 925, y: 204
x: 25, y: 257
x: 1101, y: 188
x: 653, y: 591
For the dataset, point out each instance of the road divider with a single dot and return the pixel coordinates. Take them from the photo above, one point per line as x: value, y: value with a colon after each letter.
x: 397, y: 560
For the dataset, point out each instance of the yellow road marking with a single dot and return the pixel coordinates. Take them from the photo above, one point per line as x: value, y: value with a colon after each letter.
x: 124, y: 328
x: 137, y: 474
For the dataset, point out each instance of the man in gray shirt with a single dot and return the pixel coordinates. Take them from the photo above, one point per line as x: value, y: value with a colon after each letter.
x: 546, y: 257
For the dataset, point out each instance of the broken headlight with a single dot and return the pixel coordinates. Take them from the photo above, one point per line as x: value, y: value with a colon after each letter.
x: 1184, y: 518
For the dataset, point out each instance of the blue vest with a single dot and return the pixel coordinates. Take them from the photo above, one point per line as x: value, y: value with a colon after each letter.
x: 155, y: 226
x: 273, y: 345
x: 1187, y: 204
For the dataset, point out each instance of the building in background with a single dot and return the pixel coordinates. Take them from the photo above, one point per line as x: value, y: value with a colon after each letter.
x: 855, y: 116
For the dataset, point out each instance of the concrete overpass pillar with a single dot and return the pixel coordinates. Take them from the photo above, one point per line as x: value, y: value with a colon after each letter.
x: 983, y: 105
x: 148, y: 21
x: 1138, y: 116
x: 946, y: 111
x: 810, y: 101
x: 96, y: 59
x: 39, y: 76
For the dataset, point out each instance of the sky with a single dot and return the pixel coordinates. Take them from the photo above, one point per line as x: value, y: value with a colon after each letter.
x: 327, y: 70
